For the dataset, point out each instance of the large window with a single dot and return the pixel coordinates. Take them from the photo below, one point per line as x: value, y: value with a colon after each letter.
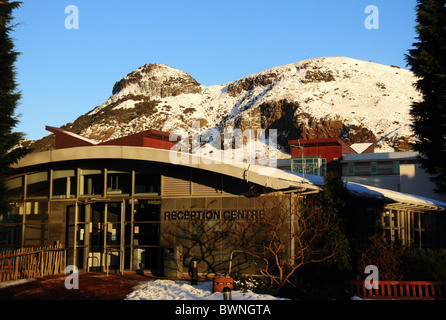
x: 51, y: 192
x: 38, y: 185
x: 91, y: 182
x: 408, y: 228
x: 313, y: 166
x: 64, y: 183
x: 119, y: 182
x: 147, y: 183
x: 15, y: 188
x: 146, y: 223
x: 36, y: 223
x: 395, y: 226
x: 11, y: 225
x: 422, y: 229
x: 145, y: 234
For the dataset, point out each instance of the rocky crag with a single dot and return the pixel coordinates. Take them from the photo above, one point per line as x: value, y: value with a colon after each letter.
x: 355, y: 100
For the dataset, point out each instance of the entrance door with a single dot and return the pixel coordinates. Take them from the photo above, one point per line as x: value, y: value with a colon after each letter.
x: 97, y: 241
x: 105, y: 237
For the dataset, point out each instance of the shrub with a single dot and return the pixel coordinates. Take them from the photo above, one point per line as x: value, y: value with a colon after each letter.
x: 422, y: 264
x: 387, y: 257
x: 259, y: 285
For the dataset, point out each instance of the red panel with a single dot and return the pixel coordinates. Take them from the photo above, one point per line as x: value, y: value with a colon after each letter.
x: 329, y: 148
x: 148, y: 138
x: 329, y: 153
x: 159, y: 144
x: 135, y: 140
x: 62, y: 140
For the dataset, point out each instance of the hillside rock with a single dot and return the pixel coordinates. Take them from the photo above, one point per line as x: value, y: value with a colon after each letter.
x: 156, y: 81
x: 355, y: 100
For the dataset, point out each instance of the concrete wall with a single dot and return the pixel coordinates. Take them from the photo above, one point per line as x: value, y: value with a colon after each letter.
x: 414, y: 180
x: 390, y: 182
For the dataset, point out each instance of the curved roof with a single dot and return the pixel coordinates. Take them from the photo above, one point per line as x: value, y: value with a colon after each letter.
x: 265, y: 176
x: 392, y: 198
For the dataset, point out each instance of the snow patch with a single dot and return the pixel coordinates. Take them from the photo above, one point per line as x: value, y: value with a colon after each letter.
x: 361, y: 147
x: 182, y: 290
x: 356, y: 92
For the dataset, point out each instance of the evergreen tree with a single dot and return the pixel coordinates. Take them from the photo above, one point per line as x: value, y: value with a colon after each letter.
x: 9, y: 98
x: 326, y: 279
x: 428, y: 61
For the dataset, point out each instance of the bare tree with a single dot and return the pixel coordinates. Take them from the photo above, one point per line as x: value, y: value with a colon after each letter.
x: 205, y: 240
x: 292, y: 230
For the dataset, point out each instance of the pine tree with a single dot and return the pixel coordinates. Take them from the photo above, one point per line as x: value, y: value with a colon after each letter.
x: 428, y: 61
x: 9, y: 98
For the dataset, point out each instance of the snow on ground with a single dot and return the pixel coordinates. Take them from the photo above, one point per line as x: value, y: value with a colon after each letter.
x: 183, y: 290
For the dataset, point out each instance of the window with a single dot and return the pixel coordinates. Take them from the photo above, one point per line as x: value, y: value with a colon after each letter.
x: 422, y: 223
x: 394, y: 223
x: 91, y: 182
x: 351, y: 168
x: 15, y: 188
x: 313, y: 166
x: 37, y: 211
x: 10, y: 235
x: 38, y: 185
x: 64, y: 183
x: 396, y: 167
x: 373, y: 167
x: 147, y: 183
x: 119, y: 182
x: 146, y: 234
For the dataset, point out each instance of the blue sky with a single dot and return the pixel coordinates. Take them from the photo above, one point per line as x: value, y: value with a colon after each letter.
x: 63, y: 73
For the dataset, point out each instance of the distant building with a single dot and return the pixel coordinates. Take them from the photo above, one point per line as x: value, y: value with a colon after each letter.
x: 398, y: 171
x: 316, y: 156
x: 148, y: 138
x: 376, y: 169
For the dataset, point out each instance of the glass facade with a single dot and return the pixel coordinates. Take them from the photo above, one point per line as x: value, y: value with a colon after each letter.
x: 409, y: 228
x: 106, y: 215
x: 114, y: 214
x: 110, y: 214
x: 313, y: 166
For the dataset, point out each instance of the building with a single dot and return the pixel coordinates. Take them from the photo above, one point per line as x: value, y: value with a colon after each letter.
x: 415, y: 180
x: 398, y: 171
x: 149, y: 138
x: 376, y: 169
x: 316, y: 156
x: 111, y: 203
x: 124, y: 205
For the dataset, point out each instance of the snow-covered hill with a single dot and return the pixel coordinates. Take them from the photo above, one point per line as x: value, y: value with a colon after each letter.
x: 323, y: 97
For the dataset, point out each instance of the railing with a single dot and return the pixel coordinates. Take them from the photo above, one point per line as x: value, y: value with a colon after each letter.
x: 32, y: 262
x: 401, y: 290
